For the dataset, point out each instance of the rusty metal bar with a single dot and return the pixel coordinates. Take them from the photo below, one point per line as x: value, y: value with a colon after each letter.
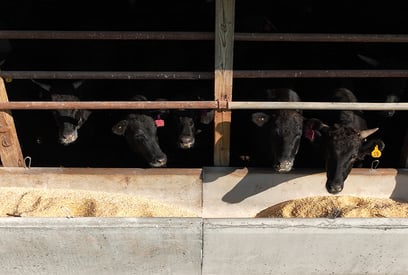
x: 202, y: 75
x: 155, y: 35
x: 100, y: 105
x: 322, y: 37
x: 106, y: 75
x: 106, y: 35
x: 220, y: 105
x: 319, y: 73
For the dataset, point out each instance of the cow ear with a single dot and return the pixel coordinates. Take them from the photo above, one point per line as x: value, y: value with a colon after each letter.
x: 120, y: 128
x: 365, y: 133
x: 313, y: 128
x: 369, y: 60
x: 260, y: 119
x: 206, y: 116
x: 77, y: 84
x: 44, y: 86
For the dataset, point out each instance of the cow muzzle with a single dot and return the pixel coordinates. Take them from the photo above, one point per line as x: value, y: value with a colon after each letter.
x: 67, y: 139
x: 186, y: 142
x: 284, y: 166
x: 159, y: 162
x: 334, y: 188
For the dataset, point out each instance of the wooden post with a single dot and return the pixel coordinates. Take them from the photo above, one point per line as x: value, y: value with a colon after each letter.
x: 224, y: 45
x: 10, y: 151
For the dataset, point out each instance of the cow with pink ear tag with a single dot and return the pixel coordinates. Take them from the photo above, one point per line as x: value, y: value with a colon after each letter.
x: 345, y: 142
x: 139, y: 127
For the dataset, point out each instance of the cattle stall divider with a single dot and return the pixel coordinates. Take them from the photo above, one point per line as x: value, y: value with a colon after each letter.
x: 219, y: 235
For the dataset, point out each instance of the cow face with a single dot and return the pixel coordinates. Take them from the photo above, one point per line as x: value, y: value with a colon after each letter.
x: 69, y: 121
x: 140, y: 132
x: 343, y: 147
x: 187, y: 122
x: 284, y: 131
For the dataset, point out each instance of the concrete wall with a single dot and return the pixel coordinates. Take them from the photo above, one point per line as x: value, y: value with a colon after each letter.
x: 100, y: 246
x: 203, y: 246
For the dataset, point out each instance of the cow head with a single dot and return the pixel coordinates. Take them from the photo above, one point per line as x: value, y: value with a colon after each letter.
x: 188, y: 124
x: 284, y: 131
x: 343, y: 147
x: 141, y: 134
x: 69, y: 121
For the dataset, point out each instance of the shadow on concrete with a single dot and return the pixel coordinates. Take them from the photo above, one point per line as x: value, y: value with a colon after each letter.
x: 253, y: 182
x: 400, y: 192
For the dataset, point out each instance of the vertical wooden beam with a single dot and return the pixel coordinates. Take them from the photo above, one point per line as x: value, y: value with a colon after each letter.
x: 224, y: 46
x: 10, y: 151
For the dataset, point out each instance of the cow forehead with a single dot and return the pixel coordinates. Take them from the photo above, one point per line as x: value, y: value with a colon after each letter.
x: 141, y: 121
x: 344, y: 139
x: 288, y: 118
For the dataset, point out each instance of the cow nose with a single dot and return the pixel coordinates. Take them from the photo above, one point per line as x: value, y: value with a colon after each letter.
x: 186, y: 142
x: 68, y: 138
x: 284, y: 166
x: 334, y: 188
x: 159, y: 162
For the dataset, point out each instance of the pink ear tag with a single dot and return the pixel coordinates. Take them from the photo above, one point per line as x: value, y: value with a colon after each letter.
x: 159, y: 122
x: 310, y: 134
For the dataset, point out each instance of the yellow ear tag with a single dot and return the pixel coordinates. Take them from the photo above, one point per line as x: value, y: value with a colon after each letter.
x: 376, y: 153
x: 8, y: 79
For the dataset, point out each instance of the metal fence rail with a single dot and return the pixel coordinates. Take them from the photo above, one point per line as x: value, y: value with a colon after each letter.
x: 154, y: 35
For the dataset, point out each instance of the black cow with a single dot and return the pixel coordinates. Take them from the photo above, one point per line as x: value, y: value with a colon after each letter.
x: 189, y: 124
x: 283, y: 129
x: 344, y: 142
x: 69, y: 121
x: 140, y: 130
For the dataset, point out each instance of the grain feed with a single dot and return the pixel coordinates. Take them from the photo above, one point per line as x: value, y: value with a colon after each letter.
x: 337, y: 207
x: 31, y: 202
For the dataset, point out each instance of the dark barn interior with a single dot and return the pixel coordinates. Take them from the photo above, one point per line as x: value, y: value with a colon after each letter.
x: 97, y: 146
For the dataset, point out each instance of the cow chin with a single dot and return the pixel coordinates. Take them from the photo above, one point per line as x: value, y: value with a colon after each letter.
x: 284, y: 166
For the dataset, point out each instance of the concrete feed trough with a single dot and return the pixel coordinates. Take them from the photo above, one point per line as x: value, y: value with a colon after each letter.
x: 208, y: 226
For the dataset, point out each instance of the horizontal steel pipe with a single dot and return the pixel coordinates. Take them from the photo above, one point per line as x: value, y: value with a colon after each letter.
x: 232, y: 105
x: 156, y: 35
x: 130, y: 75
x: 319, y: 73
x: 48, y: 105
x: 368, y: 106
x: 105, y: 75
x: 106, y: 35
x: 322, y: 37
